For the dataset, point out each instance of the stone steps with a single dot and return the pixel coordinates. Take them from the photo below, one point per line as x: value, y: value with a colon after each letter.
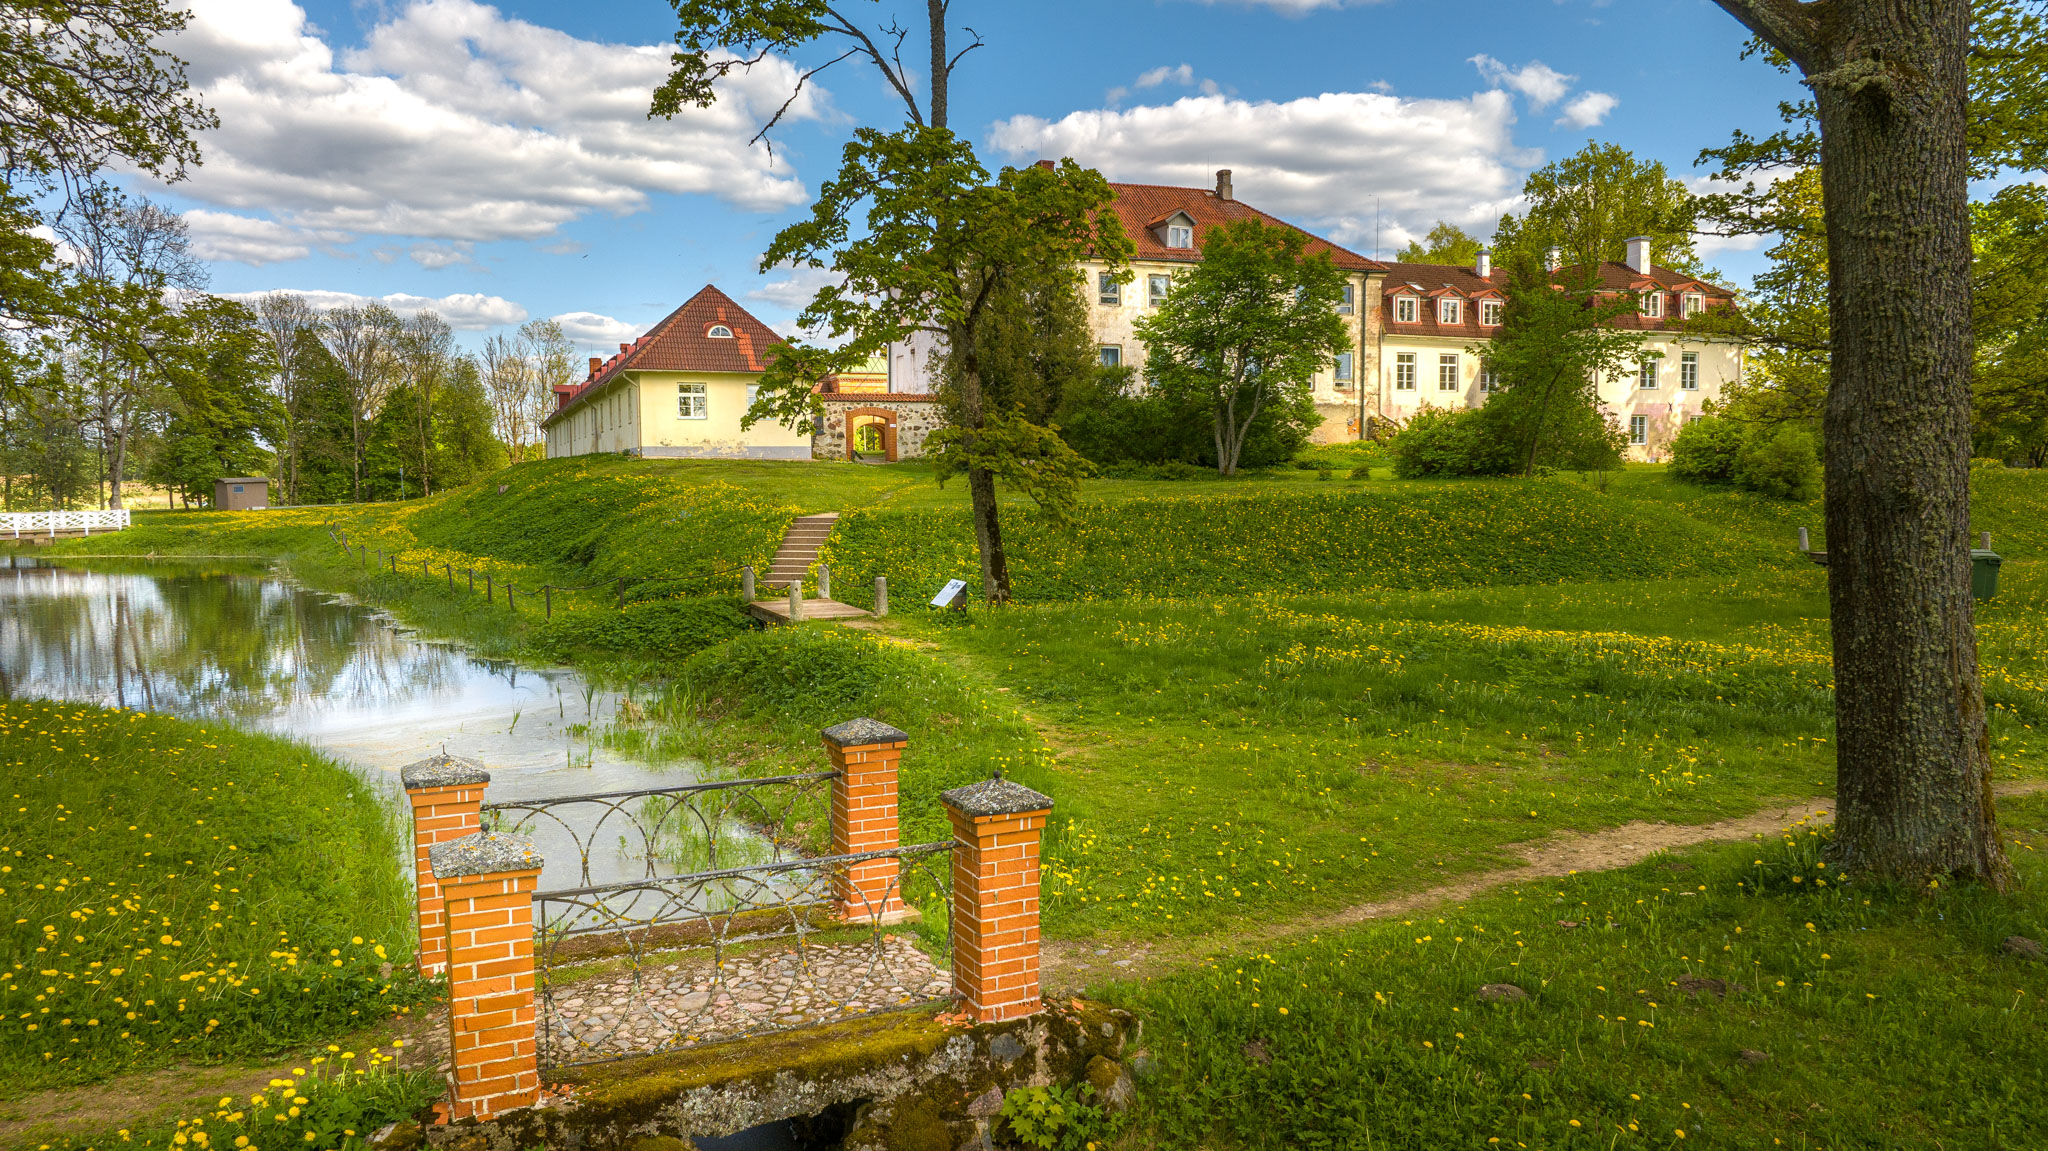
x: 799, y: 549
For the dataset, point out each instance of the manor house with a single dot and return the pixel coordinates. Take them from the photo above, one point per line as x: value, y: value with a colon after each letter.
x: 1416, y: 337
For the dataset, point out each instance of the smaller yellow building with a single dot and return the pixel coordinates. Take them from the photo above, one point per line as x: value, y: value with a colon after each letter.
x: 680, y: 390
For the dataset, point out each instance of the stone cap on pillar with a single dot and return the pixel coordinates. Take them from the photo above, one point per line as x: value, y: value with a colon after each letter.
x: 863, y: 733
x: 442, y: 770
x: 996, y: 796
x: 483, y: 853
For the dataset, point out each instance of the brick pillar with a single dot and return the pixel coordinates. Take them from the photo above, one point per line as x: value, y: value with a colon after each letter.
x: 996, y: 827
x: 866, y: 753
x: 446, y: 792
x: 488, y: 880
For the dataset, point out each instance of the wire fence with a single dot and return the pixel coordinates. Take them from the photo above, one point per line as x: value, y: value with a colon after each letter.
x: 625, y: 590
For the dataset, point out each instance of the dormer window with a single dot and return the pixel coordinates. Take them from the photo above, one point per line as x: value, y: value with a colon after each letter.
x: 1653, y: 304
x: 1180, y: 235
x: 1447, y: 311
x: 719, y: 332
x: 1695, y: 304
x: 1405, y: 309
x: 1489, y: 313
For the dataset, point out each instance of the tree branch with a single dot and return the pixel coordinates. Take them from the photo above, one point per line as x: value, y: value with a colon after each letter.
x: 761, y: 137
x: 874, y: 53
x: 1790, y: 26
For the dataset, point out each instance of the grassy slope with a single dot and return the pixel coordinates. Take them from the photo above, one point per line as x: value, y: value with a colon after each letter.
x: 1890, y: 1020
x: 182, y: 891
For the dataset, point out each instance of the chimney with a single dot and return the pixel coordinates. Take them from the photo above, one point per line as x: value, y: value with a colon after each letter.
x: 1048, y: 165
x: 1553, y: 259
x: 1223, y: 191
x: 1484, y: 267
x: 596, y: 365
x: 1639, y: 254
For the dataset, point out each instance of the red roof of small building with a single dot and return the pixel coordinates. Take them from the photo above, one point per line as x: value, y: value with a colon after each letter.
x: 1142, y: 207
x: 683, y: 343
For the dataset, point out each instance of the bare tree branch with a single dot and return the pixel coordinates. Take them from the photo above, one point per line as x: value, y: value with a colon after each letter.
x: 1790, y: 26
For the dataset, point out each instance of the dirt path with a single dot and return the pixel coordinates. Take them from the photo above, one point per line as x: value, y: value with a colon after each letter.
x: 1067, y: 966
x: 146, y: 1099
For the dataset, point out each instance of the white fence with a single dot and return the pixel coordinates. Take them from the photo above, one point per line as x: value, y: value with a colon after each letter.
x: 18, y: 524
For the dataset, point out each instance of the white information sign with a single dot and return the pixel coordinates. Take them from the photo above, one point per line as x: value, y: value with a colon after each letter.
x: 949, y: 593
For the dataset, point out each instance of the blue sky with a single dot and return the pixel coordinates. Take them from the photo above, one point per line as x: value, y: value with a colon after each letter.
x: 495, y: 161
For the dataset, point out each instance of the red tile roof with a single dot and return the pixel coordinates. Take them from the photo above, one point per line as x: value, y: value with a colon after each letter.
x: 682, y: 343
x: 1431, y: 280
x: 1141, y: 207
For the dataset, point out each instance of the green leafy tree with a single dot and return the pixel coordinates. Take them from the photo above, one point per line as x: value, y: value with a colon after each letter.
x: 1035, y: 345
x: 1556, y: 342
x: 1892, y: 90
x: 924, y: 240
x: 2010, y: 318
x: 222, y: 414
x: 1445, y: 244
x: 1590, y: 204
x: 1247, y: 327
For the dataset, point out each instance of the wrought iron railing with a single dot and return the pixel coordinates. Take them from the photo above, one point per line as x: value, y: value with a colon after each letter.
x: 663, y: 963
x: 695, y: 915
x: 695, y: 827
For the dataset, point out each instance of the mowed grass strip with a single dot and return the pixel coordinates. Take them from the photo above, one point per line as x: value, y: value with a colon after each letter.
x: 1738, y: 997
x: 182, y: 891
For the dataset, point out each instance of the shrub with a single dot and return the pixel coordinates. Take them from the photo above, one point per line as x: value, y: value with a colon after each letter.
x: 1784, y: 463
x: 663, y: 629
x: 1708, y: 450
x: 1440, y: 442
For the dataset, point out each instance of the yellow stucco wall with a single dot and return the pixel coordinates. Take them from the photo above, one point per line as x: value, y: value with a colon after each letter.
x: 640, y: 412
x: 1116, y: 325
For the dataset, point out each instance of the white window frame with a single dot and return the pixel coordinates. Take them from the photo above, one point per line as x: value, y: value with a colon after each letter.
x: 1346, y: 304
x: 1406, y: 309
x: 693, y: 401
x: 753, y: 393
x: 1653, y: 305
x: 719, y: 332
x: 1341, y: 369
x: 1647, y: 376
x: 1110, y: 355
x: 1450, y: 372
x: 1107, y: 290
x: 1157, y: 286
x: 1447, y: 311
x: 1490, y: 313
x: 1695, y: 304
x: 1180, y: 235
x: 1404, y: 371
x: 1688, y: 371
x: 1489, y: 379
x: 1639, y: 429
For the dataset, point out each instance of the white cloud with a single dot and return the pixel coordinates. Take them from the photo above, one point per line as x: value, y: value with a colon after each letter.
x: 1319, y: 160
x: 1587, y: 110
x: 596, y: 333
x: 244, y: 239
x: 456, y: 123
x: 464, y: 311
x: 1182, y: 74
x: 794, y: 290
x: 1542, y: 84
x: 432, y: 256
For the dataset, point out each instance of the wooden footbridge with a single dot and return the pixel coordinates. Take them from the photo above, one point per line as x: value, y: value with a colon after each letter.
x: 793, y: 562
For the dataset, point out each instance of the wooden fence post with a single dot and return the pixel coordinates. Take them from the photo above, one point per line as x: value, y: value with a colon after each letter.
x: 881, y: 596
x: 446, y: 792
x: 489, y: 594
x: 866, y: 753
x: 996, y: 829
x: 488, y: 880
x: 824, y: 581
x: 747, y: 583
x: 796, y: 599
x: 622, y: 591
x: 547, y: 595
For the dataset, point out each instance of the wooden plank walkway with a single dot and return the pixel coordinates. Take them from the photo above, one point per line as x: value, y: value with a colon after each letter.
x: 775, y: 611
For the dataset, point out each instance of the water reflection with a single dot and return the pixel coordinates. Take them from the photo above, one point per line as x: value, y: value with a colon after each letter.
x: 214, y: 643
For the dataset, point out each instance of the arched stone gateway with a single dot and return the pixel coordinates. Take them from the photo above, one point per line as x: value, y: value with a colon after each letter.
x: 871, y: 432
x: 875, y: 425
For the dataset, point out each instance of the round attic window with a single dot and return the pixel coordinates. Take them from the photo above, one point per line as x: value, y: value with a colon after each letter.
x: 719, y: 332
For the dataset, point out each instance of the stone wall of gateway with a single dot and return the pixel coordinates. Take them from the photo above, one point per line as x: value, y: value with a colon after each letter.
x: 916, y: 416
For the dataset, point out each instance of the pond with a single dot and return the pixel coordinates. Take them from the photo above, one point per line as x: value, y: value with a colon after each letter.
x: 206, y: 642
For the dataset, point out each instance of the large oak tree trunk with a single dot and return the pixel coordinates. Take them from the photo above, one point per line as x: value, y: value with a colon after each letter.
x: 1913, y: 760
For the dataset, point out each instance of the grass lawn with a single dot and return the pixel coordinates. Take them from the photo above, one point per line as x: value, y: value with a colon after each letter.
x: 1733, y: 997
x: 184, y: 892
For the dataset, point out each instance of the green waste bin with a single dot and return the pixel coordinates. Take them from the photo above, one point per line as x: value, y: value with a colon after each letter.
x: 1984, y: 573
